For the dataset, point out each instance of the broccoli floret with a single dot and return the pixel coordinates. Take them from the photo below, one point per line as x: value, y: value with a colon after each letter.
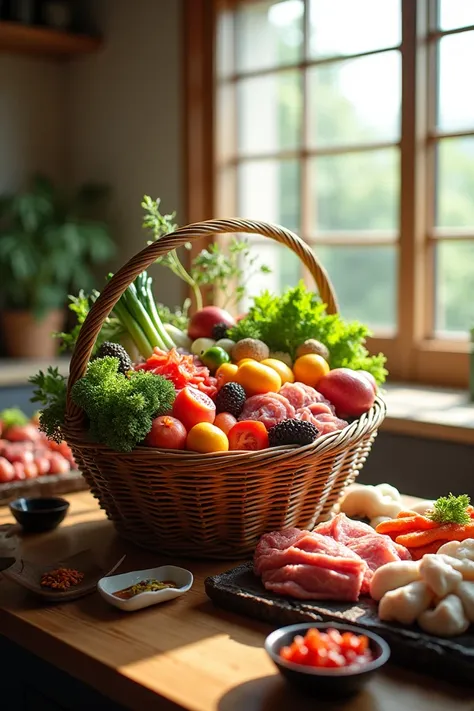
x: 120, y: 408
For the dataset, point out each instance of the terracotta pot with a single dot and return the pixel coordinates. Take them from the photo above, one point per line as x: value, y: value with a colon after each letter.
x: 25, y: 337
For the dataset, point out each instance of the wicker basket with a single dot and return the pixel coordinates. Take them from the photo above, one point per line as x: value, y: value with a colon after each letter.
x: 213, y: 505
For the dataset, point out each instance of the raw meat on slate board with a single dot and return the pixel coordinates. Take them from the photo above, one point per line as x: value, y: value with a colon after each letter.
x: 240, y: 590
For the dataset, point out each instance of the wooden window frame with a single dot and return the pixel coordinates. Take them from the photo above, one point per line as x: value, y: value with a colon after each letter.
x: 413, y: 354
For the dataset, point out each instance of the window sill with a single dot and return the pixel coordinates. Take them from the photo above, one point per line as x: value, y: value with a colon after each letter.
x: 431, y: 412
x: 14, y: 373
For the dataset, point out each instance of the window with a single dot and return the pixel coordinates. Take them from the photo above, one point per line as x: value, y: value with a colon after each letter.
x: 352, y: 123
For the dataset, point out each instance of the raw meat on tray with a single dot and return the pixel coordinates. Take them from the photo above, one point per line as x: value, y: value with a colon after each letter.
x: 334, y: 562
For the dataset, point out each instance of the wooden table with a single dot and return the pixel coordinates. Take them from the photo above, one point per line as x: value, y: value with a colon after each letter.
x: 182, y: 655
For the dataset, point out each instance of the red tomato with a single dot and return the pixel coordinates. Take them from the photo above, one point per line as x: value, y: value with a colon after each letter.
x: 19, y: 471
x: 42, y: 464
x: 7, y: 471
x: 19, y: 454
x: 249, y: 435
x: 192, y: 407
x: 166, y: 433
x: 225, y: 421
x: 20, y: 433
x: 31, y: 470
x: 57, y: 464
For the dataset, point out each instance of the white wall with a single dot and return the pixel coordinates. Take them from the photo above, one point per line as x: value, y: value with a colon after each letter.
x: 33, y: 125
x: 125, y: 124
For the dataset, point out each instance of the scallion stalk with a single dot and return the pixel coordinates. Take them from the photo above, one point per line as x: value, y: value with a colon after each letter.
x: 145, y: 295
x: 133, y: 329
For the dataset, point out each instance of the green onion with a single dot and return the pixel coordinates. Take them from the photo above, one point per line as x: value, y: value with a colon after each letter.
x: 133, y: 329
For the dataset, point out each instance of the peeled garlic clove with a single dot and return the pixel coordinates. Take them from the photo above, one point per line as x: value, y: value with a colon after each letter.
x: 465, y: 592
x: 446, y: 620
x: 439, y: 575
x: 405, y: 604
x: 394, y: 575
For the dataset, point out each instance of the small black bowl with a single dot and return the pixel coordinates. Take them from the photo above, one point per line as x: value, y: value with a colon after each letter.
x: 325, y: 682
x: 37, y: 515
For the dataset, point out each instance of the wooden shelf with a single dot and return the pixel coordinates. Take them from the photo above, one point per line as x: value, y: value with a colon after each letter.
x: 42, y: 41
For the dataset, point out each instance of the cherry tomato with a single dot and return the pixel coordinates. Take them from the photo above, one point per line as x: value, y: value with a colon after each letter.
x: 19, y: 471
x: 57, y: 463
x: 225, y: 421
x: 43, y: 464
x: 7, y: 471
x: 249, y: 435
x: 192, y: 407
x: 166, y: 433
x: 329, y: 649
x: 31, y: 470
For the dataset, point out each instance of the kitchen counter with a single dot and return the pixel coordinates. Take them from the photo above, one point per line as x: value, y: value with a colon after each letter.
x: 185, y: 654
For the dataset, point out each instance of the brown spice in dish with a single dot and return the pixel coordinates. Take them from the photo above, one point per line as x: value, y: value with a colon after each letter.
x: 61, y: 578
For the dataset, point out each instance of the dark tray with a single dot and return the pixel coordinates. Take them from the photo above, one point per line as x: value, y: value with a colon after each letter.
x: 239, y: 590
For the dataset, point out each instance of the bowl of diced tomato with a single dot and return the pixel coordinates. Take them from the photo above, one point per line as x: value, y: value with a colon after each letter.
x: 332, y: 659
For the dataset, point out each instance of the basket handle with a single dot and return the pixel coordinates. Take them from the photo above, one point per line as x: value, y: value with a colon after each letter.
x: 141, y: 261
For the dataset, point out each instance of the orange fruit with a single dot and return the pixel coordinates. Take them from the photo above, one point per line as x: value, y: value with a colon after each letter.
x: 310, y: 368
x: 225, y: 374
x: 256, y: 378
x: 225, y: 421
x: 206, y: 438
x: 285, y: 373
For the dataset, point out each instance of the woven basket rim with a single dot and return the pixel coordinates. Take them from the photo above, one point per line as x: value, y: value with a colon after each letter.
x: 367, y: 422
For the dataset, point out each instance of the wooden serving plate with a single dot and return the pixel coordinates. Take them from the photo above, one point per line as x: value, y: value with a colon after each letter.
x: 28, y: 574
x: 239, y: 590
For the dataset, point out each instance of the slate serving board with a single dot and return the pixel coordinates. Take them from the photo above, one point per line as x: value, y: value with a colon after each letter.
x: 239, y: 590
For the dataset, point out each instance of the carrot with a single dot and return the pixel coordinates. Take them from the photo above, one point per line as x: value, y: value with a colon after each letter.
x: 398, y: 526
x: 418, y: 553
x: 445, y: 531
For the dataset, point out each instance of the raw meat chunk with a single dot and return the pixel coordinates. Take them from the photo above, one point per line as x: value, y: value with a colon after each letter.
x: 270, y: 409
x: 310, y: 582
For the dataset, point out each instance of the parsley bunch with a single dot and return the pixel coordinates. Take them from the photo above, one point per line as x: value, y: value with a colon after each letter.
x: 450, y: 509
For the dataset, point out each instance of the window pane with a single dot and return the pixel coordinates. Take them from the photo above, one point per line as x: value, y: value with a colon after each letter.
x: 341, y: 27
x: 454, y: 286
x: 365, y: 282
x: 269, y: 190
x: 455, y: 102
x: 355, y: 101
x: 286, y: 269
x: 269, y: 112
x: 455, y: 179
x: 455, y: 13
x: 355, y: 191
x: 269, y: 34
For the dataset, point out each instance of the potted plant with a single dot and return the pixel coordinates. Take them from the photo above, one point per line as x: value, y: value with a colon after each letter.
x: 49, y: 244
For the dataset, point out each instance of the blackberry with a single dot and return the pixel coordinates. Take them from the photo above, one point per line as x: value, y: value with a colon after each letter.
x: 230, y: 398
x: 220, y: 330
x: 116, y: 351
x: 292, y: 432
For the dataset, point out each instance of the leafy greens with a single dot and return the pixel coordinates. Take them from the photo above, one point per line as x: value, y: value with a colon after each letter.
x: 285, y: 322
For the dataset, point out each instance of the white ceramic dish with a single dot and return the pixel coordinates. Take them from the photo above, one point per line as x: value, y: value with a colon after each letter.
x: 109, y: 585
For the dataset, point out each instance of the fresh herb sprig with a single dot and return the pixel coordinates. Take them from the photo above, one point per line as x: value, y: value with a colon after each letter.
x: 51, y: 388
x: 450, y: 509
x: 80, y: 305
x: 229, y: 272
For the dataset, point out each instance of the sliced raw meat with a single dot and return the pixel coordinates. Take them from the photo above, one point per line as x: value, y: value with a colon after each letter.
x: 301, y: 395
x: 324, y: 421
x: 311, y: 549
x: 403, y: 553
x: 276, y: 541
x: 310, y: 582
x: 376, y: 552
x: 270, y: 409
x: 344, y: 529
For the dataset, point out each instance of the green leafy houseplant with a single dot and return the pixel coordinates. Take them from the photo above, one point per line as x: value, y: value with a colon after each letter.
x: 49, y: 243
